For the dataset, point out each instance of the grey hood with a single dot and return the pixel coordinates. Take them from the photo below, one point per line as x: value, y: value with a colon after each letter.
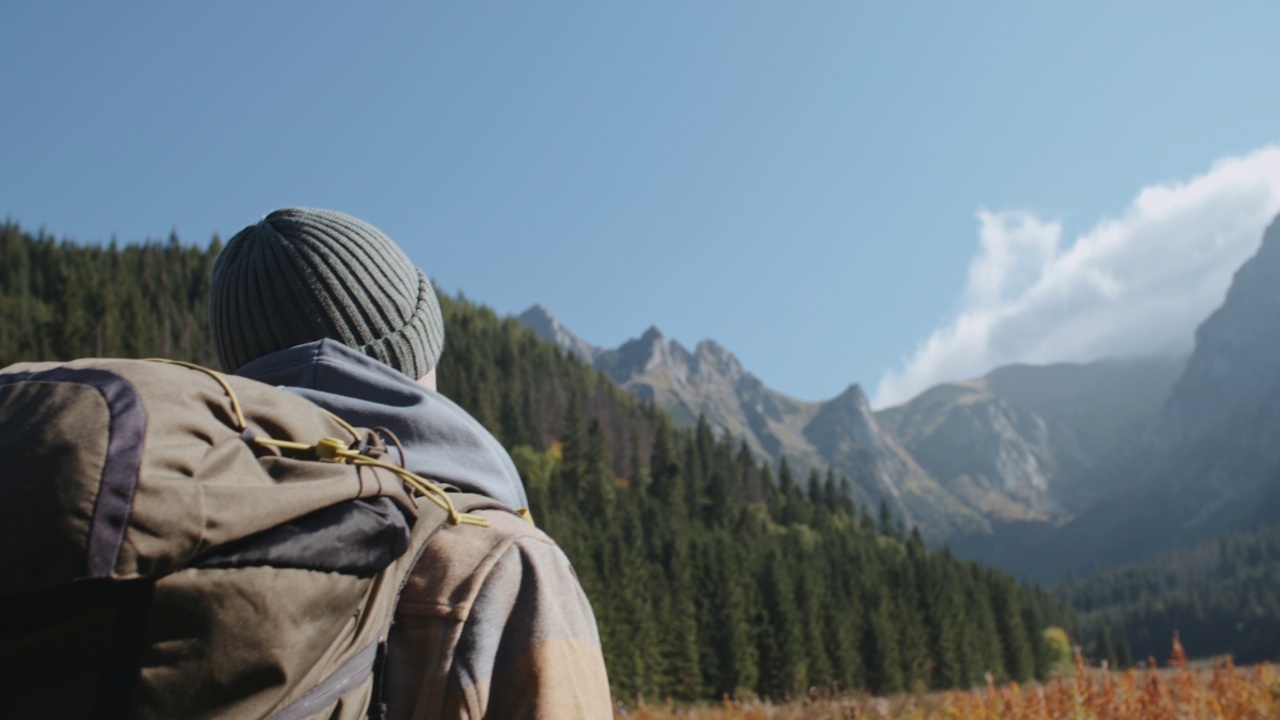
x: 441, y: 441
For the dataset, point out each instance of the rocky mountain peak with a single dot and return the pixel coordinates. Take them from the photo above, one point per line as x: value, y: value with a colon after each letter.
x: 712, y: 358
x: 854, y: 398
x: 539, y: 313
x: 711, y: 349
x: 652, y: 336
x: 842, y: 433
x: 545, y: 325
x: 846, y: 419
x: 637, y: 357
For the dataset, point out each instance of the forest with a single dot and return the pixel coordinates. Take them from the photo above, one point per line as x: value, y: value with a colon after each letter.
x: 712, y: 572
x: 1220, y: 596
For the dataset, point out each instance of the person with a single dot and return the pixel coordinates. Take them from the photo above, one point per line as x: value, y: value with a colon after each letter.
x: 492, y: 621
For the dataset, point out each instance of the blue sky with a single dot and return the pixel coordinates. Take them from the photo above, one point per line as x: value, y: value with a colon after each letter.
x: 885, y: 193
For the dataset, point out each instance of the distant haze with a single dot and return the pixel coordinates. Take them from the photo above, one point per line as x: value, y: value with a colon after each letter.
x: 1135, y: 285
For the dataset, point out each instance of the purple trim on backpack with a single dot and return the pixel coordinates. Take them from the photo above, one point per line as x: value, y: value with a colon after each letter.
x: 120, y: 470
x: 340, y: 682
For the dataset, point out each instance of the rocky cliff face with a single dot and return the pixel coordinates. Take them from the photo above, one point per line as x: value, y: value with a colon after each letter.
x: 848, y: 436
x: 993, y: 457
x: 1236, y: 362
x: 1102, y: 420
x: 708, y: 381
x: 1207, y: 464
x: 1222, y: 421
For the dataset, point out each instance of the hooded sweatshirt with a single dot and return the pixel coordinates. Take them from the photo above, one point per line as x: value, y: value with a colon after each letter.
x: 442, y: 442
x: 492, y: 622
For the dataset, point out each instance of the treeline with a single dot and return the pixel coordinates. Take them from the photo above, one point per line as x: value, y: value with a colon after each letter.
x: 59, y: 300
x: 710, y: 577
x: 711, y: 572
x: 1221, y: 597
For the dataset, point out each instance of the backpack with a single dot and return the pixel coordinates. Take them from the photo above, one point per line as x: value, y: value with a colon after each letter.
x: 175, y: 543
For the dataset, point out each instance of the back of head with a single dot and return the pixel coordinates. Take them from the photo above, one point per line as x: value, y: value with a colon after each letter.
x: 301, y: 275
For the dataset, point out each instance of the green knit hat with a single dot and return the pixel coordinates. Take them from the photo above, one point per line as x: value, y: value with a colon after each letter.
x: 301, y: 275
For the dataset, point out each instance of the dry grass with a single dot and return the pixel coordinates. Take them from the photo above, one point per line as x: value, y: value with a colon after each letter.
x: 1217, y: 691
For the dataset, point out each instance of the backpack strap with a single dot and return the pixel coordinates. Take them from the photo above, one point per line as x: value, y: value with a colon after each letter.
x: 470, y: 502
x: 431, y: 521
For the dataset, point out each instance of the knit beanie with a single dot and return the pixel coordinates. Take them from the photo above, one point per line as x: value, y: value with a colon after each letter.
x: 302, y: 275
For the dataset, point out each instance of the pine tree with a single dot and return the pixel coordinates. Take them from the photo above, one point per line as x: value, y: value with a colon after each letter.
x: 1124, y: 655
x: 944, y: 617
x: 1018, y: 654
x: 597, y: 495
x: 730, y: 663
x: 1103, y: 648
x: 880, y: 654
x: 782, y: 662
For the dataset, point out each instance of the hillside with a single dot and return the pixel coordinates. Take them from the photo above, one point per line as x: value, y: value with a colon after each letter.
x: 1221, y: 596
x: 710, y: 572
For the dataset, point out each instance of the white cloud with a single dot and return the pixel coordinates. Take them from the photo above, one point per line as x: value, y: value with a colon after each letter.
x: 1134, y: 285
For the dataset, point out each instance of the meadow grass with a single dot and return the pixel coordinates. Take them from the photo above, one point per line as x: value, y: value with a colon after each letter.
x: 1216, y: 690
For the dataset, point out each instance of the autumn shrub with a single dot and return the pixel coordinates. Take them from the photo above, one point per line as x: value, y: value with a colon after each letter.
x: 1220, y: 691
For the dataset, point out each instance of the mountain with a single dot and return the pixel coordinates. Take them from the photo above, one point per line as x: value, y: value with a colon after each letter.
x: 546, y: 326
x: 708, y: 381
x: 1209, y: 463
x: 1236, y: 362
x: 1219, y: 469
x: 1222, y: 420
x: 1036, y: 443
x: 842, y: 433
x: 1023, y: 444
x: 848, y: 438
x: 1036, y: 469
x: 1103, y: 419
x: 987, y: 453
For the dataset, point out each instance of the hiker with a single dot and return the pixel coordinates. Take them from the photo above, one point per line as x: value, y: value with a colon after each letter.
x: 492, y: 622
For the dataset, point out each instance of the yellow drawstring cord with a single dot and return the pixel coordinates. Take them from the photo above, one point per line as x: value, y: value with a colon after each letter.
x: 235, y: 402
x: 333, y: 450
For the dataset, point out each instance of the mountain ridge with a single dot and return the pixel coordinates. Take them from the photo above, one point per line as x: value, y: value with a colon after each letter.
x: 1015, y: 460
x: 1036, y: 469
x: 841, y: 433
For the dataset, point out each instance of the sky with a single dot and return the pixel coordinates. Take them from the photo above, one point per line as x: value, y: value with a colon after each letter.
x: 892, y: 194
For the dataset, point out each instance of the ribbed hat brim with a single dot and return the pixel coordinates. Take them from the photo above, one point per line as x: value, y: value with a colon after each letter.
x: 301, y: 275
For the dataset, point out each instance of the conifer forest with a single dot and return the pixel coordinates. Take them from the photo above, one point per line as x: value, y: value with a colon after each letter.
x: 712, y: 573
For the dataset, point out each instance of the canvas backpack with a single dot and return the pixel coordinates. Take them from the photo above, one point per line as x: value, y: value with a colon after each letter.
x: 175, y: 543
